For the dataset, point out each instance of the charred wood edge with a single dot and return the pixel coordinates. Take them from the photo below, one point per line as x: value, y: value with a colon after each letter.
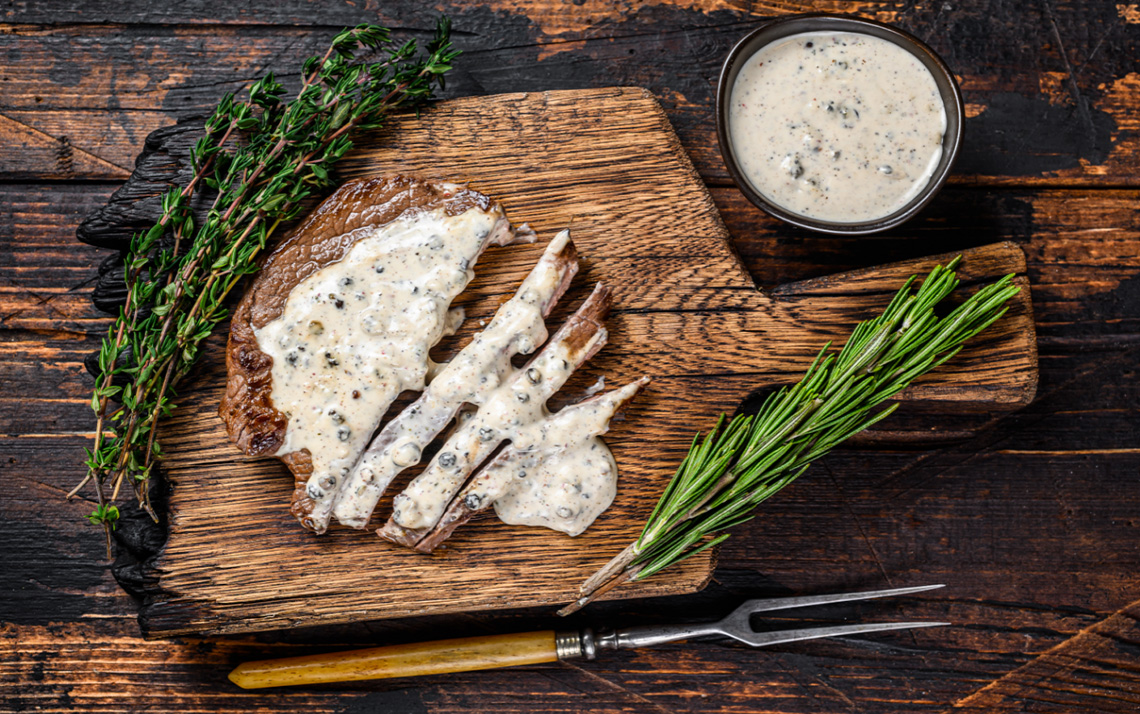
x: 134, y: 207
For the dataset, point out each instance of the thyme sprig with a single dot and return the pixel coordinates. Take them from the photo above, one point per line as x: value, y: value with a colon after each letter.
x: 261, y: 156
x: 745, y: 460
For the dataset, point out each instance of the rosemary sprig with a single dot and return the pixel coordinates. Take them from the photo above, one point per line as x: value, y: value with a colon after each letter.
x: 742, y: 462
x: 262, y: 157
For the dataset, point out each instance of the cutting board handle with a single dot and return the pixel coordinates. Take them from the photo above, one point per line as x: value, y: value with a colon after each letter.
x: 996, y: 371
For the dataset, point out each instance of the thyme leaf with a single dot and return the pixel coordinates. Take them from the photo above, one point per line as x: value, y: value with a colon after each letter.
x: 261, y: 157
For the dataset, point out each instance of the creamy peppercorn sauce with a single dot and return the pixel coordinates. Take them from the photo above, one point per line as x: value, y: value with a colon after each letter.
x: 508, y: 411
x: 514, y: 410
x: 839, y: 127
x: 356, y: 333
x: 557, y: 473
x: 469, y: 378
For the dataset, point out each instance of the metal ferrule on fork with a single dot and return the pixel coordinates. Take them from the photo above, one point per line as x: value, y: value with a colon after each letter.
x: 575, y: 645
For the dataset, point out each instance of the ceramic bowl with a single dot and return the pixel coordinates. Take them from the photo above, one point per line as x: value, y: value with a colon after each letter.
x: 797, y: 24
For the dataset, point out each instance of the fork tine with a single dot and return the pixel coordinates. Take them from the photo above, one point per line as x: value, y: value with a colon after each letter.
x: 787, y: 603
x: 763, y: 639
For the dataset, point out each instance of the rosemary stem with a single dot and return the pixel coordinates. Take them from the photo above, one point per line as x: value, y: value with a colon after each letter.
x: 619, y: 578
x: 611, y: 569
x: 738, y: 465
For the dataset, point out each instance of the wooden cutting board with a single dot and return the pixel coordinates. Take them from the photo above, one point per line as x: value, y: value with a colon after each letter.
x: 607, y: 164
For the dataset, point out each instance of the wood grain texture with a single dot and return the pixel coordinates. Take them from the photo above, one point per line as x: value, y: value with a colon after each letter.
x: 1033, y: 522
x: 1032, y: 518
x: 1099, y: 661
x: 606, y: 163
x: 420, y: 659
x: 1049, y: 90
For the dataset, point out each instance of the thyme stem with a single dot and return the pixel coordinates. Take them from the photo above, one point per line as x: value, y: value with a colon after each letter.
x: 180, y: 273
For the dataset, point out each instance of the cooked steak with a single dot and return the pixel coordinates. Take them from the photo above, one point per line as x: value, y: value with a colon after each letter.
x: 469, y: 378
x: 340, y: 319
x: 555, y: 473
x: 518, y: 403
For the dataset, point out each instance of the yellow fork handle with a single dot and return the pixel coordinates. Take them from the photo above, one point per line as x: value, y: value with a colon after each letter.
x: 439, y: 657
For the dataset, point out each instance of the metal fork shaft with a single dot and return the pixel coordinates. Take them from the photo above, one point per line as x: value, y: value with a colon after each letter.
x: 651, y: 635
x: 788, y: 603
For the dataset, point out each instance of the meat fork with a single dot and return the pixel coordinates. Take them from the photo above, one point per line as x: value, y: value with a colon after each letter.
x: 491, y: 652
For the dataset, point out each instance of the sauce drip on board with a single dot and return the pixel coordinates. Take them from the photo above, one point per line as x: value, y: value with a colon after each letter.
x: 840, y: 127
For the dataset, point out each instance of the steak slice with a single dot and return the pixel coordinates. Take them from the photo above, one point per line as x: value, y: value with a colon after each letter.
x: 381, y: 208
x: 521, y: 399
x: 557, y: 474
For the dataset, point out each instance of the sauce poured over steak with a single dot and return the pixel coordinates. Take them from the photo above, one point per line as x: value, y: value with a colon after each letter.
x: 340, y: 320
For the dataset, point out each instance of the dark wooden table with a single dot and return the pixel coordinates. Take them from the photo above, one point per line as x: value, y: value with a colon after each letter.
x: 1034, y: 522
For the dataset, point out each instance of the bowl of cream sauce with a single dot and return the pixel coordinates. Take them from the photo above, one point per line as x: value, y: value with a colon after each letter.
x: 838, y: 124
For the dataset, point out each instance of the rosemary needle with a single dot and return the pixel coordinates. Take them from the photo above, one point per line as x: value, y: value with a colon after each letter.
x: 261, y: 157
x: 748, y: 458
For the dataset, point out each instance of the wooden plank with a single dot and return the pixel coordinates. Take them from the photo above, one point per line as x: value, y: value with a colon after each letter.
x: 71, y: 641
x: 1097, y: 664
x: 37, y: 153
x: 1080, y: 247
x: 550, y: 19
x: 1081, y: 277
x: 912, y: 514
x: 74, y: 144
x: 1016, y: 600
x: 617, y: 174
x: 106, y: 665
x: 1069, y: 68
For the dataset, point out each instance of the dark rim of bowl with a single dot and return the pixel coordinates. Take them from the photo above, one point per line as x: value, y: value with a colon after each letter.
x: 816, y: 22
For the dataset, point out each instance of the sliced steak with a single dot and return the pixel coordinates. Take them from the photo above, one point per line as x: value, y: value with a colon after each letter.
x: 557, y: 473
x: 521, y: 399
x: 469, y: 378
x: 333, y: 382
